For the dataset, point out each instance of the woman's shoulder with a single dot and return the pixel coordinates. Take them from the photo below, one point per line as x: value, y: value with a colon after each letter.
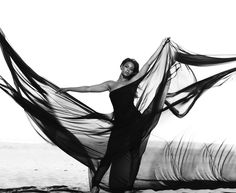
x: 111, y: 84
x: 117, y: 84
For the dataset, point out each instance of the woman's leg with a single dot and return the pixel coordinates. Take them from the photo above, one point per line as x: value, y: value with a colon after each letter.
x: 117, y: 150
x: 103, y: 167
x: 135, y: 163
x: 124, y: 170
x: 106, y: 160
x: 120, y: 173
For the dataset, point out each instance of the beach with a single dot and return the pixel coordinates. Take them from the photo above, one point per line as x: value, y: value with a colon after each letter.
x: 40, y: 165
x: 27, y: 167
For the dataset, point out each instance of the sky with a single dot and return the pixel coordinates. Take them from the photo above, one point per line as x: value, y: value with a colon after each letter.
x: 75, y: 43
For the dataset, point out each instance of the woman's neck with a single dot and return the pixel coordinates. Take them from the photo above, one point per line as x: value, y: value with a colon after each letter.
x: 122, y: 79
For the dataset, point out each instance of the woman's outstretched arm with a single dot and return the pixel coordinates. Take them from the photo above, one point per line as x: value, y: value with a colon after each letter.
x: 105, y: 86
x: 146, y: 66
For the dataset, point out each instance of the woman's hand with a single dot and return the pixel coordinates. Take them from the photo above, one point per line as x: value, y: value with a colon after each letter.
x: 61, y: 90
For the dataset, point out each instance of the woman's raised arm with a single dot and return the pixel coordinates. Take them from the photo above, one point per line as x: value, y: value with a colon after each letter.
x: 146, y: 66
x: 105, y: 86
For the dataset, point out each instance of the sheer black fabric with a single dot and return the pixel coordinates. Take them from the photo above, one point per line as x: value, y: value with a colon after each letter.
x: 88, y: 136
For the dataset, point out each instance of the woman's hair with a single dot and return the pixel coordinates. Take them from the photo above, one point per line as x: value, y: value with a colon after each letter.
x: 134, y: 62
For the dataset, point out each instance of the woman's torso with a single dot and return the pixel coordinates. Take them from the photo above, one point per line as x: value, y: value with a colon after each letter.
x: 122, y: 98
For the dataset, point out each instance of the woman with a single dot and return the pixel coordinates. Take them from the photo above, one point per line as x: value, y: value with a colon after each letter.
x: 126, y: 117
x: 165, y: 82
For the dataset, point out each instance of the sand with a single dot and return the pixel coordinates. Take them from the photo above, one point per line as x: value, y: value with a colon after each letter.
x: 39, y: 165
x: 46, y: 168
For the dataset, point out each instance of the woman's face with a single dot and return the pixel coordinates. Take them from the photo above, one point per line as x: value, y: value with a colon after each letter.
x: 127, y: 69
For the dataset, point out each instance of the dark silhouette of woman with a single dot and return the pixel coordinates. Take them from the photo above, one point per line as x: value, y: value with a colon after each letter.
x: 112, y: 144
x: 126, y: 119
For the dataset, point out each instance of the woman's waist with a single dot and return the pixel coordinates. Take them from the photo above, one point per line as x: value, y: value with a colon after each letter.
x: 126, y: 117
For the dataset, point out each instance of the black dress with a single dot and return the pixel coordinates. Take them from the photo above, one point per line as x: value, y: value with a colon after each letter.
x: 123, y: 145
x: 90, y: 136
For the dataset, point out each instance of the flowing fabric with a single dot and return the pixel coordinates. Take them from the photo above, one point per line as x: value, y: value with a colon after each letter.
x: 84, y: 134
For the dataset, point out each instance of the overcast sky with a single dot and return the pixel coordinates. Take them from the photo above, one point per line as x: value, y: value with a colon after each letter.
x: 73, y: 43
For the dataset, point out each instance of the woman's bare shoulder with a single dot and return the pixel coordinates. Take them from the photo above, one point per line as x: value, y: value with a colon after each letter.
x: 111, y: 84
x: 116, y: 84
